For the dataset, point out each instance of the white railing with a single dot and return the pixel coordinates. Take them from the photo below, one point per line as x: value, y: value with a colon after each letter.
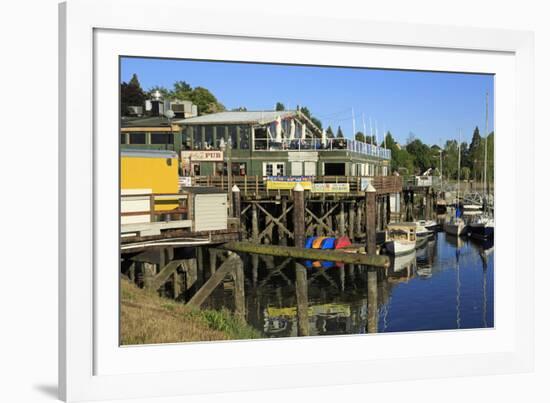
x: 267, y: 144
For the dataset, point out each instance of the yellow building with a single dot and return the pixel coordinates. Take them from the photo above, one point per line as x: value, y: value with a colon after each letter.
x: 144, y: 172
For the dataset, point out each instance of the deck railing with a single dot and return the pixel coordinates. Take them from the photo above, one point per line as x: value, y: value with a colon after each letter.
x: 257, y: 185
x: 332, y: 144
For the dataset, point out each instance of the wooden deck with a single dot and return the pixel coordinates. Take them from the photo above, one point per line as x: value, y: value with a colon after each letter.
x: 255, y: 186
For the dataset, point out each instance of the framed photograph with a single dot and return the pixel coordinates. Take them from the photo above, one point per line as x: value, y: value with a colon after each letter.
x: 247, y: 205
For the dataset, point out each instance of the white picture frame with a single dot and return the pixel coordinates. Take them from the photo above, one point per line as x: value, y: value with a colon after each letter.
x: 92, y: 366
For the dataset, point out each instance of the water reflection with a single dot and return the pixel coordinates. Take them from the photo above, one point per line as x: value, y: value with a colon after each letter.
x: 448, y: 284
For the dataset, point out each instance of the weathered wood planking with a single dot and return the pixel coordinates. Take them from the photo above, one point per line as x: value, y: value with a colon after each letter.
x: 310, y: 254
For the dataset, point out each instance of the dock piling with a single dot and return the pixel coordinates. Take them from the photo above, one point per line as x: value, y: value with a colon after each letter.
x: 299, y: 216
x: 370, y: 203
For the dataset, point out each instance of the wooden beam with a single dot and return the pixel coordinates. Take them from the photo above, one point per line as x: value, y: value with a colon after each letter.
x: 310, y: 254
x: 204, y: 292
x: 164, y: 274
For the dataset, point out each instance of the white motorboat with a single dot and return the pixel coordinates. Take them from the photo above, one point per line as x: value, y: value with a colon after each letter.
x: 422, y: 230
x: 400, y: 238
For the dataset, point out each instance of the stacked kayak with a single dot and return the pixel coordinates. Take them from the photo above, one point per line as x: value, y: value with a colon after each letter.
x: 323, y: 242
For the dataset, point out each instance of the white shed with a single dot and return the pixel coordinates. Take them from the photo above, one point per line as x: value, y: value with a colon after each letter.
x: 209, y: 208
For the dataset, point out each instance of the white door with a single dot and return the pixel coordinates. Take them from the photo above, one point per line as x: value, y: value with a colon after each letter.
x: 211, y: 212
x: 310, y: 168
x: 296, y: 168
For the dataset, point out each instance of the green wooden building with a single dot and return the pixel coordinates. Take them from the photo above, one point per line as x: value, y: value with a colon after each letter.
x: 256, y: 143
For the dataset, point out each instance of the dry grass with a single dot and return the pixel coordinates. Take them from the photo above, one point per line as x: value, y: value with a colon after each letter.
x: 149, y: 319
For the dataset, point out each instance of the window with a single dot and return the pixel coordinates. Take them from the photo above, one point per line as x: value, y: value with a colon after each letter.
x: 233, y: 136
x: 122, y: 138
x: 137, y: 138
x: 274, y: 168
x: 244, y: 137
x: 208, y: 138
x: 335, y: 169
x: 237, y: 168
x: 197, y: 137
x: 260, y: 139
x: 162, y: 138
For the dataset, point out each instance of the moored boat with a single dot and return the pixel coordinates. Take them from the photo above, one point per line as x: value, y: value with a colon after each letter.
x: 481, y: 228
x: 400, y: 238
x: 455, y: 227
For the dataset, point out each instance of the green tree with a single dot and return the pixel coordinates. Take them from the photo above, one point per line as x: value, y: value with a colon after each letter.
x: 476, y: 155
x: 279, y: 106
x: 359, y: 136
x: 450, y: 159
x: 165, y: 92
x: 330, y: 133
x: 389, y: 141
x: 181, y: 90
x: 340, y: 133
x: 422, y: 155
x: 465, y: 173
x: 206, y: 101
x: 315, y: 121
x: 131, y: 94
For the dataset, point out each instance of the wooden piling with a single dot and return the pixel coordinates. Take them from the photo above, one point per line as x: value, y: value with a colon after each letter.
x: 352, y: 221
x: 372, y: 301
x: 282, y: 234
x: 149, y: 271
x: 342, y: 220
x: 299, y: 216
x: 359, y: 219
x: 255, y: 226
x: 236, y: 195
x: 302, y: 300
x: 370, y: 222
x: 238, y: 277
x: 388, y: 209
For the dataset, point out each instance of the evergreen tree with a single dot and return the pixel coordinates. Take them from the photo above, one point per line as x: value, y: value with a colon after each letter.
x: 339, y: 133
x: 131, y: 94
x: 279, y: 106
x: 330, y: 133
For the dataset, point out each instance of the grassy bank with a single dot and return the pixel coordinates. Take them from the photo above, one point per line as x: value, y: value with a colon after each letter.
x: 148, y: 319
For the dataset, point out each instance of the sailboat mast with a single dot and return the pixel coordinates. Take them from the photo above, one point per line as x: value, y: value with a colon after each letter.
x: 486, y: 141
x: 353, y: 121
x: 458, y: 174
x: 441, y: 166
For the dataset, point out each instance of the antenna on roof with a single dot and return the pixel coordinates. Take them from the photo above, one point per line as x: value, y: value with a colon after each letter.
x: 371, y: 134
x: 353, y: 121
x: 364, y: 126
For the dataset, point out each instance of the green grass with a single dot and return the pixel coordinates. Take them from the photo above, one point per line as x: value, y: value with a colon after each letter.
x: 149, y: 319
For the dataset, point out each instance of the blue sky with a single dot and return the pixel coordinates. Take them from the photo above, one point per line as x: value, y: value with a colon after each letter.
x: 432, y: 106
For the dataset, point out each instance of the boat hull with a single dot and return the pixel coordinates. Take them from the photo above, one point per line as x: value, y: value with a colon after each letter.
x: 481, y: 231
x: 455, y: 229
x: 400, y: 247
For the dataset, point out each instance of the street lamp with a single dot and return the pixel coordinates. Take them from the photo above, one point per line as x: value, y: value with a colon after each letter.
x: 169, y: 115
x: 227, y: 147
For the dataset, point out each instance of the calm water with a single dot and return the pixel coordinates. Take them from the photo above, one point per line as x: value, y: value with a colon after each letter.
x: 446, y: 285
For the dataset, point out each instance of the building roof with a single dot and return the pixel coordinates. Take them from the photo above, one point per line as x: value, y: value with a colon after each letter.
x: 143, y: 153
x: 148, y: 121
x: 202, y: 190
x: 234, y: 117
